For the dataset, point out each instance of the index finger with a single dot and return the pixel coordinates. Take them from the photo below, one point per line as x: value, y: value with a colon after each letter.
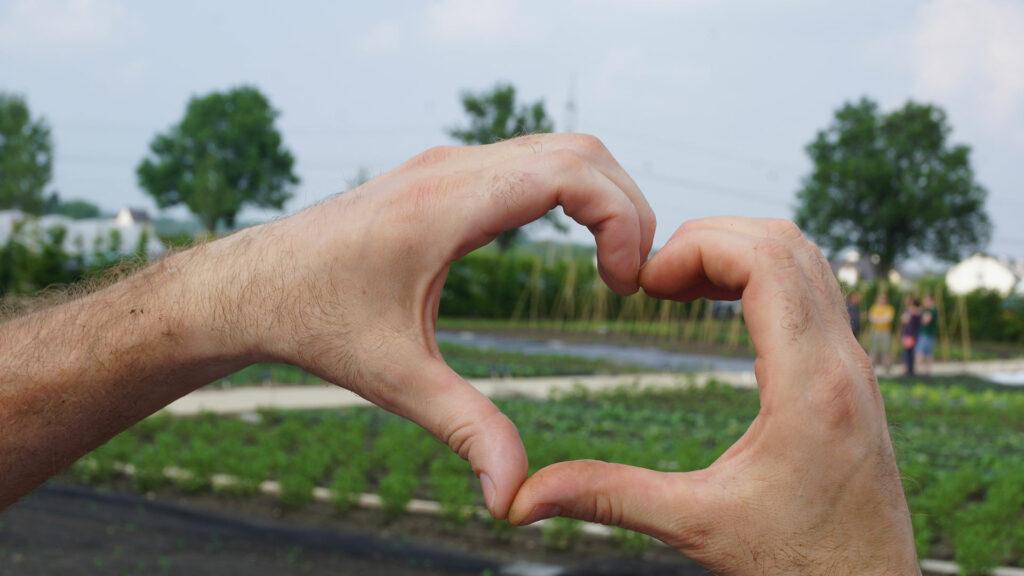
x: 522, y: 189
x: 765, y: 271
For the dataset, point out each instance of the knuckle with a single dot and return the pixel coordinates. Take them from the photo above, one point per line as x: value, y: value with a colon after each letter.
x: 776, y: 252
x: 689, y: 226
x: 565, y: 160
x: 785, y: 229
x: 460, y: 439
x: 606, y: 510
x: 589, y: 144
x: 436, y: 155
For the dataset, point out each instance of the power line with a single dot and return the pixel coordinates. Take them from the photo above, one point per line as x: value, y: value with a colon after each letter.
x: 761, y: 197
x: 721, y: 153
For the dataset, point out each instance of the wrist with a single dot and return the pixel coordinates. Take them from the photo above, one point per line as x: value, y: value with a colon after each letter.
x: 210, y: 293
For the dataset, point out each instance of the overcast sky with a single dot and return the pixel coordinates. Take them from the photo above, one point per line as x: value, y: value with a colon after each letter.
x: 708, y: 104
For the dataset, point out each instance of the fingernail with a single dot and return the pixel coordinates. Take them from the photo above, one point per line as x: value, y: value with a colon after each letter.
x: 542, y: 512
x: 487, y: 486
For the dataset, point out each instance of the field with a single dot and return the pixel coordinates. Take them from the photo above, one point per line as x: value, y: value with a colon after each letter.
x: 958, y: 442
x: 467, y: 361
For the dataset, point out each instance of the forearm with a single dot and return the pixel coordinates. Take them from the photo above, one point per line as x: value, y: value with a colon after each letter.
x: 74, y: 375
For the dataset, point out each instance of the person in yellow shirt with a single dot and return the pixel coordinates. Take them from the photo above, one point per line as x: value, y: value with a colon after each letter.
x: 881, y: 315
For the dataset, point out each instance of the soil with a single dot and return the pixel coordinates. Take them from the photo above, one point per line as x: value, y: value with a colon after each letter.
x: 65, y: 528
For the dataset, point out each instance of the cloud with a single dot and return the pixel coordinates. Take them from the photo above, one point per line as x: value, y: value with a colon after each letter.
x: 477, y: 23
x: 43, y: 24
x: 384, y: 38
x: 972, y: 52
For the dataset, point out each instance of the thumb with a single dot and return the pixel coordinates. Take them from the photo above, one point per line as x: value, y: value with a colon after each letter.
x: 664, y: 505
x: 459, y: 415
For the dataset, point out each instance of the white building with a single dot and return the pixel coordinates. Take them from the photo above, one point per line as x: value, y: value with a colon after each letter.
x: 980, y: 272
x: 85, y: 237
x: 128, y: 217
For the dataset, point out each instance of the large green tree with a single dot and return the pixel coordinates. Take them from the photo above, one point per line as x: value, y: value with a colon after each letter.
x: 893, y: 186
x: 224, y: 154
x: 494, y: 116
x: 26, y: 156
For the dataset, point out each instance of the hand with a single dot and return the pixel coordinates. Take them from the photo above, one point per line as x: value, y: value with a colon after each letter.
x: 349, y: 289
x: 812, y: 486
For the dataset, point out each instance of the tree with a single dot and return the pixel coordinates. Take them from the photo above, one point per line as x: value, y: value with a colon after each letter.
x: 493, y: 117
x: 75, y: 209
x: 26, y: 156
x: 892, y: 186
x: 226, y: 153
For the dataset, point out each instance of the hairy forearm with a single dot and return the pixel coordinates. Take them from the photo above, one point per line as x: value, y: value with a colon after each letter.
x: 74, y: 375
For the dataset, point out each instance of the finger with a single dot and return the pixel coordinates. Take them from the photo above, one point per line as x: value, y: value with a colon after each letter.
x: 588, y: 147
x: 525, y: 189
x: 765, y: 271
x: 591, y: 149
x: 439, y: 400
x: 814, y: 266
x: 666, y: 506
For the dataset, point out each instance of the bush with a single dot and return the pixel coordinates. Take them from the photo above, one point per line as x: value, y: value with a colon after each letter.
x: 348, y: 484
x: 296, y: 489
x: 396, y: 489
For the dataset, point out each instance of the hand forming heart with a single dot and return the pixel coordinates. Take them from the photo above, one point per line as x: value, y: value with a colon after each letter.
x: 811, y: 488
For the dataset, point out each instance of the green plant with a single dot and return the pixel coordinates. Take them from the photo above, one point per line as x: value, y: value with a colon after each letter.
x: 562, y: 533
x: 450, y: 485
x: 396, y: 490
x: 296, y: 489
x: 634, y: 543
x: 348, y: 484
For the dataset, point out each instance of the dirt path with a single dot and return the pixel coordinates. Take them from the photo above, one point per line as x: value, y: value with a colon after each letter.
x: 249, y: 399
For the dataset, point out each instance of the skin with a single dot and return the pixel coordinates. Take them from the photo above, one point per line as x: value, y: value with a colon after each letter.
x: 812, y: 487
x: 349, y: 290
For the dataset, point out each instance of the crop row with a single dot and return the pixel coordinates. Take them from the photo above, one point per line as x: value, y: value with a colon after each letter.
x: 958, y: 446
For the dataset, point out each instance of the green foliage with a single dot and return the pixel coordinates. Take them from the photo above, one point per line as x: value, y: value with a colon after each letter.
x: 957, y: 442
x: 76, y: 209
x: 494, y: 116
x: 348, y: 483
x: 33, y: 258
x: 296, y: 489
x: 634, y: 543
x: 26, y: 156
x: 396, y: 489
x: 451, y: 485
x: 224, y: 154
x: 892, y: 185
x: 562, y: 533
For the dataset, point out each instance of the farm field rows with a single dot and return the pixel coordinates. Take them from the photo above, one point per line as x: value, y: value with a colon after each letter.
x: 958, y: 442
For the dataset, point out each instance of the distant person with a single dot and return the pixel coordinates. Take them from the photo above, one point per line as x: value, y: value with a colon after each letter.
x: 910, y: 327
x: 348, y: 290
x: 925, y: 349
x: 881, y: 315
x: 853, y: 311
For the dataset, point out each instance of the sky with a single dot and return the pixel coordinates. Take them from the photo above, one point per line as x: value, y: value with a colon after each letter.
x: 707, y: 104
